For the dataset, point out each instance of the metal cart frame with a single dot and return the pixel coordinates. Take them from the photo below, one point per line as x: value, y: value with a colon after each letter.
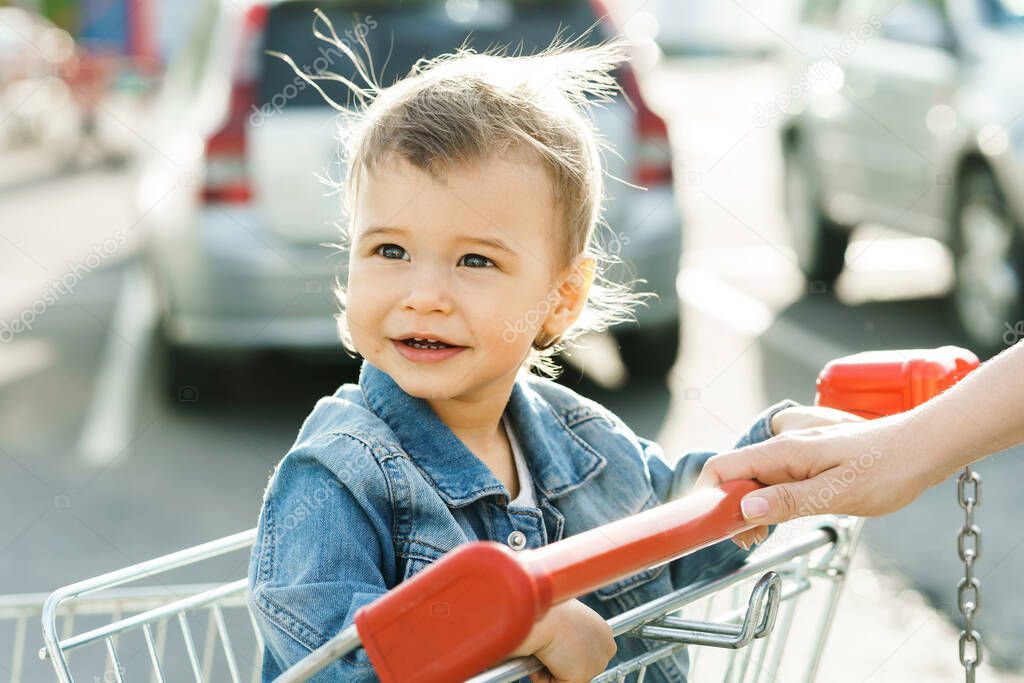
x: 754, y: 634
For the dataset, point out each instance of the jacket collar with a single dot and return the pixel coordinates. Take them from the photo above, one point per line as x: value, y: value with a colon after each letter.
x: 559, y: 461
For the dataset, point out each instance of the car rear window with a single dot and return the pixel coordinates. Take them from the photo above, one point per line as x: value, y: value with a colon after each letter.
x: 400, y: 35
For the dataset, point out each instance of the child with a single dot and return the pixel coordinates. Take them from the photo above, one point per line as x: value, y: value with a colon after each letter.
x: 474, y: 190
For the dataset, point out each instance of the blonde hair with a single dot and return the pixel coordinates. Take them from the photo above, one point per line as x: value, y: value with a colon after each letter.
x: 462, y: 107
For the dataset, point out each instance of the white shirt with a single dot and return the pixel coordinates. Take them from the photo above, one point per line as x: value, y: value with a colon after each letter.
x: 525, y: 497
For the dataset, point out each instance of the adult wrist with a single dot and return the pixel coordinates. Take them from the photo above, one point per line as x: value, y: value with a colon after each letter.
x: 939, y: 437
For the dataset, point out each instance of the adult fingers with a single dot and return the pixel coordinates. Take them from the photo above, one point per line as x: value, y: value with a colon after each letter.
x: 746, y: 539
x: 783, y: 502
x: 777, y: 460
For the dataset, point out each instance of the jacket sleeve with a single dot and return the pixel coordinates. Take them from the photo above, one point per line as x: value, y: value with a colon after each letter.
x: 672, y: 482
x: 320, y: 548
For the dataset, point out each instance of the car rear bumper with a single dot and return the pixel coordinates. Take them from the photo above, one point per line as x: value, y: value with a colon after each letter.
x: 309, y: 332
x: 225, y: 284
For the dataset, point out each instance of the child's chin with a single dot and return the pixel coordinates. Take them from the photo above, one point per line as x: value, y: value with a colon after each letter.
x: 418, y: 386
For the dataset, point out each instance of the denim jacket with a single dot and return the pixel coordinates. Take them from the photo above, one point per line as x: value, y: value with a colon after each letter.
x: 376, y: 487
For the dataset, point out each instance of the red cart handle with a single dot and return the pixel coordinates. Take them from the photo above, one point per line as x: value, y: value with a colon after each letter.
x: 877, y: 383
x: 479, y: 602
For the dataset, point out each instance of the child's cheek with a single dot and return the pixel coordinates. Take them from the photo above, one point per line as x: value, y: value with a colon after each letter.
x: 513, y: 328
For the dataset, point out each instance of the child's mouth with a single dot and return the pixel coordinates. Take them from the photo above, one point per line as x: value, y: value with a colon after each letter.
x: 425, y: 351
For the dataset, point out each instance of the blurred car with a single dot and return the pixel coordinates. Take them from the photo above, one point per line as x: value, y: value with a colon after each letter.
x: 713, y: 28
x: 36, y: 105
x: 234, y: 214
x: 912, y: 115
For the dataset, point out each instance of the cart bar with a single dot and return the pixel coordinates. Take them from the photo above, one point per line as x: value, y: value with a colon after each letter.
x: 209, y: 597
x: 118, y: 577
x: 584, y: 562
x: 480, y: 601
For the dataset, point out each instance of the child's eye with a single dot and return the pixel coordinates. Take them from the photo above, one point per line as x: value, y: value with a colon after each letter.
x: 478, y: 257
x: 388, y: 247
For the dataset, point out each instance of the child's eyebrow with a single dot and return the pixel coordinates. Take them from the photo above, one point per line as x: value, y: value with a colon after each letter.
x: 494, y: 242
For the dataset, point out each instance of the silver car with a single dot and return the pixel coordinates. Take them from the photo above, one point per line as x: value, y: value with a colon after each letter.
x: 236, y: 215
x: 911, y: 114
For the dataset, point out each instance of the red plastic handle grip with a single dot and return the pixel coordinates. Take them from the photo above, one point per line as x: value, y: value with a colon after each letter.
x: 878, y: 383
x: 476, y: 604
x: 586, y: 561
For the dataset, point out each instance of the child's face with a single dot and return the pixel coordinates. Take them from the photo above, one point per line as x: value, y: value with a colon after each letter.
x: 427, y: 275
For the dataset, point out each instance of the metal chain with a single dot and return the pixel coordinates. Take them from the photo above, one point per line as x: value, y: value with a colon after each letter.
x: 968, y: 590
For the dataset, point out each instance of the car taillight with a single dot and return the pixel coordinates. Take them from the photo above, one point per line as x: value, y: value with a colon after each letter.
x: 227, y: 173
x: 653, y: 164
x: 654, y: 155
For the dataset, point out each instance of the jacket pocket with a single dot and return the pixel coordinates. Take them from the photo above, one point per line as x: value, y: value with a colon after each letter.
x: 413, y: 566
x: 415, y: 557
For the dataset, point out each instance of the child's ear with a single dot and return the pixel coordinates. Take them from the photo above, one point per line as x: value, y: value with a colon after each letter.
x: 573, y: 291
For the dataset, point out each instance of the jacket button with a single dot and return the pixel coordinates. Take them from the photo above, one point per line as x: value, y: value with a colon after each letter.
x: 517, y: 540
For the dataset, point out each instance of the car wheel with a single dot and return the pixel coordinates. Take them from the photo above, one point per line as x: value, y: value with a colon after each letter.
x: 649, y: 353
x: 820, y: 243
x: 988, y: 297
x: 182, y: 370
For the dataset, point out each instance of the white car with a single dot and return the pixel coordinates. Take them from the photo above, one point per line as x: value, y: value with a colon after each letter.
x: 235, y: 216
x: 911, y: 115
x: 716, y: 28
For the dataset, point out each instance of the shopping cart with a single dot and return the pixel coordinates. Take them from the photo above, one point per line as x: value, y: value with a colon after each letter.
x: 478, y: 602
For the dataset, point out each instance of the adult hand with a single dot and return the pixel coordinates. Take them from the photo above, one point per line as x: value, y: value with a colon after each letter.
x: 864, y: 468
x: 875, y: 467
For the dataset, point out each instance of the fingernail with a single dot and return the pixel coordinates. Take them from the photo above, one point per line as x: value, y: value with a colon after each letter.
x: 754, y: 507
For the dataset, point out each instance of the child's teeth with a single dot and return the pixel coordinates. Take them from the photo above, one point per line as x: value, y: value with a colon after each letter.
x: 421, y: 344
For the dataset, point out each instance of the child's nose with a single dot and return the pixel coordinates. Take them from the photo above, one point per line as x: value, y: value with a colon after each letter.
x: 428, y: 291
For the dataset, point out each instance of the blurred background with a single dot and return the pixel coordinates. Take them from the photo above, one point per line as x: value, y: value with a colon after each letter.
x: 800, y: 180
